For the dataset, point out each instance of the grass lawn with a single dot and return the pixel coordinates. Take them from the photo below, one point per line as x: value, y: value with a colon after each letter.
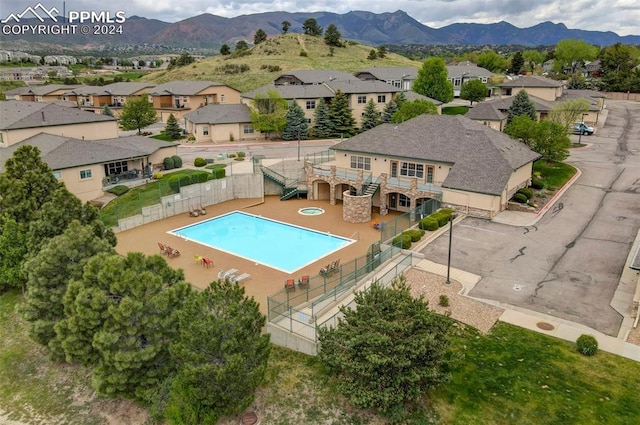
x: 131, y: 203
x: 509, y: 376
x: 164, y: 137
x: 455, y: 110
x: 554, y: 174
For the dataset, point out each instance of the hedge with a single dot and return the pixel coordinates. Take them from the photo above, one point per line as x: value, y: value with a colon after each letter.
x: 218, y: 173
x: 119, y: 190
x: 429, y: 223
x: 537, y: 184
x: 403, y: 240
x: 415, y: 234
x: 526, y: 192
x: 177, y: 161
x: 168, y: 163
x: 520, y: 198
x: 199, y: 162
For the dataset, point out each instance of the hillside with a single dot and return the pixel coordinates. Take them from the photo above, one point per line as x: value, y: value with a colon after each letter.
x: 284, y: 52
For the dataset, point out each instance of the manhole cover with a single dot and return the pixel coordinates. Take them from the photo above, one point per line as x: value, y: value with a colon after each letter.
x: 545, y: 326
x: 249, y: 418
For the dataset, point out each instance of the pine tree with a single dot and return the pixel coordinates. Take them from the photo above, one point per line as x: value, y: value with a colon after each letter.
x: 521, y: 105
x: 221, y: 355
x: 259, y: 37
x: 371, y: 116
x: 59, y: 261
x: 172, y: 130
x: 297, y: 127
x: 322, y: 124
x: 517, y: 62
x: 389, y: 109
x: 332, y: 36
x: 341, y: 116
x: 120, y: 318
x: 107, y: 111
x: 225, y: 50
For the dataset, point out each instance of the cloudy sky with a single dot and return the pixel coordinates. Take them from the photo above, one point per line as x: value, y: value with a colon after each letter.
x: 619, y: 16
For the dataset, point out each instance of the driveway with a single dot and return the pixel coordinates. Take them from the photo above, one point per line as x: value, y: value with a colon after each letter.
x: 569, y: 264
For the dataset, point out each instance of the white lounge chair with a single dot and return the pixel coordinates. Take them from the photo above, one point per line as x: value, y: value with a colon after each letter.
x: 222, y: 274
x: 240, y: 278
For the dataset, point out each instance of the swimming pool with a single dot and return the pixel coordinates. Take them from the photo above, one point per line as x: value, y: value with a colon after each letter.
x: 272, y: 243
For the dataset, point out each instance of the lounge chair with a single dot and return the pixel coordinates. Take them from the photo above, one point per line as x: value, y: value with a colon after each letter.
x: 172, y: 252
x: 201, y: 210
x: 207, y: 262
x: 240, y: 278
x: 222, y: 274
x: 304, y: 281
x: 163, y: 248
x: 192, y: 212
x: 290, y: 284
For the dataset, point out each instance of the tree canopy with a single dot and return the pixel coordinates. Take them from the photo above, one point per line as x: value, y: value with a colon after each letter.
x: 259, y: 37
x: 571, y: 53
x: 432, y: 80
x: 137, y: 113
x: 172, y: 130
x: 322, y: 125
x: 285, y: 26
x: 310, y: 27
x: 332, y: 36
x: 388, y: 350
x: 221, y: 355
x: 521, y: 105
x: 517, y: 62
x: 547, y: 138
x: 297, y: 127
x: 371, y: 117
x: 268, y: 113
x: 620, y: 70
x: 241, y: 45
x: 492, y: 61
x: 225, y: 50
x: 412, y: 109
x: 343, y: 123
x: 569, y: 112
x: 473, y: 91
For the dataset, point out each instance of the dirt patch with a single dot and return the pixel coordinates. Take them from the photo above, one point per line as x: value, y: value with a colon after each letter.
x: 634, y: 336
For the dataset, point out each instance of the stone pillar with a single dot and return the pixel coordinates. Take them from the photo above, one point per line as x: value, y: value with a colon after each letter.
x: 359, y: 182
x: 383, y: 194
x: 356, y: 209
x: 332, y: 185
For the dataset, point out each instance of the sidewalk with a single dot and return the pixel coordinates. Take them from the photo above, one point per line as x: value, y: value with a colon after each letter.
x: 534, y: 321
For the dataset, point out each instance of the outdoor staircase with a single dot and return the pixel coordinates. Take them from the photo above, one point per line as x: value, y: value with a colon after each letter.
x: 288, y: 190
x: 274, y: 176
x: 371, y: 188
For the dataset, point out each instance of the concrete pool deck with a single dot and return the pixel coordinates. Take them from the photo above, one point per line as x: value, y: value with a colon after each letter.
x: 264, y: 281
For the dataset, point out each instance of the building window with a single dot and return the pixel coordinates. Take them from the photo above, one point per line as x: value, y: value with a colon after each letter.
x: 484, y: 79
x: 411, y: 169
x: 362, y: 99
x: 247, y: 129
x: 382, y: 98
x: 205, y: 130
x: 117, y: 167
x: 85, y: 174
x: 311, y: 104
x: 456, y: 82
x: 308, y: 120
x: 429, y: 174
x: 404, y: 201
x: 57, y: 175
x: 361, y: 162
x: 221, y: 98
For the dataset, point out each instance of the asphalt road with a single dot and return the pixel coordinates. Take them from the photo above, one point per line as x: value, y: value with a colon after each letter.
x: 569, y: 264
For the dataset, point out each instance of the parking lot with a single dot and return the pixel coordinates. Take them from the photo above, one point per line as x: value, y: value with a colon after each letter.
x: 569, y: 264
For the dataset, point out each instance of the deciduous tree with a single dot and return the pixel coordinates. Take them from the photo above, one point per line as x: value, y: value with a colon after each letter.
x: 568, y: 112
x: 492, y: 61
x: 432, y: 80
x: 473, y: 91
x: 412, y: 109
x: 297, y: 127
x: 547, y: 138
x: 571, y: 53
x: 259, y: 37
x: 137, y: 114
x: 269, y: 113
x: 13, y: 246
x: 285, y: 26
x: 221, y: 355
x: 225, y: 50
x: 389, y: 350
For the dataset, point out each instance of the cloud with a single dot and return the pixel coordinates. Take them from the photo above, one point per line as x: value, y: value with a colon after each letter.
x: 619, y: 16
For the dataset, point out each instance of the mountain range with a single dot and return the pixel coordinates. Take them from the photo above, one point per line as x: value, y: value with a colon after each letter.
x: 211, y: 31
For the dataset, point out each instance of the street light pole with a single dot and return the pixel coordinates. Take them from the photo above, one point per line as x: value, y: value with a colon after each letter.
x: 451, y: 218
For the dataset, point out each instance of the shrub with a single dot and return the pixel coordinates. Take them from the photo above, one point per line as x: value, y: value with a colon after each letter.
x: 177, y: 161
x: 520, y: 198
x: 218, y: 173
x: 231, y: 137
x: 199, y: 162
x: 168, y: 163
x: 444, y: 301
x: 429, y: 223
x: 402, y: 240
x: 177, y: 181
x: 158, y: 176
x: 241, y: 154
x: 119, y: 190
x: 303, y: 53
x: 231, y: 155
x: 537, y: 184
x: 442, y: 218
x: 526, y: 192
x: 414, y: 234
x: 587, y: 345
x: 200, y: 177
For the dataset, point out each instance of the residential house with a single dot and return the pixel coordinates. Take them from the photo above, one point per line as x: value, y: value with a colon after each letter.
x: 468, y: 166
x: 398, y: 76
x: 181, y: 97
x: 115, y: 95
x: 494, y: 112
x: 218, y: 123
x: 20, y: 120
x: 34, y: 73
x: 535, y: 85
x: 464, y: 71
x: 313, y: 76
x: 86, y: 167
x: 44, y: 93
x: 595, y: 99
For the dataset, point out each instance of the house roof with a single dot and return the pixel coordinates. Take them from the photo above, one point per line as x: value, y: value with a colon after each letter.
x: 532, y: 81
x: 220, y: 114
x: 483, y: 159
x: 16, y: 114
x: 127, y: 88
x: 61, y: 152
x: 467, y: 69
x: 488, y: 111
x: 183, y: 88
x: 87, y: 90
x: 386, y: 73
x: 319, y: 76
x: 17, y: 90
x: 362, y: 86
x: 48, y: 88
x: 295, y: 91
x: 411, y: 96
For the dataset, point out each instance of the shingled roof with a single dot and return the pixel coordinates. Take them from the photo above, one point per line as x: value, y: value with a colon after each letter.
x: 183, y: 88
x: 386, y: 73
x: 61, y: 152
x: 296, y: 91
x: 220, y: 114
x: 482, y: 159
x: 531, y: 81
x: 16, y: 114
x: 318, y: 76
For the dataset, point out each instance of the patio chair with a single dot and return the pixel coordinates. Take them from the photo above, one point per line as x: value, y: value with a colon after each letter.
x: 290, y: 284
x: 201, y: 210
x: 207, y: 262
x: 243, y: 276
x: 222, y: 274
x: 198, y: 259
x: 172, y: 252
x: 303, y: 281
x: 163, y: 248
x: 192, y: 212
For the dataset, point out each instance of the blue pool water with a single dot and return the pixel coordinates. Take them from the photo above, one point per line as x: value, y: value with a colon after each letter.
x: 282, y: 246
